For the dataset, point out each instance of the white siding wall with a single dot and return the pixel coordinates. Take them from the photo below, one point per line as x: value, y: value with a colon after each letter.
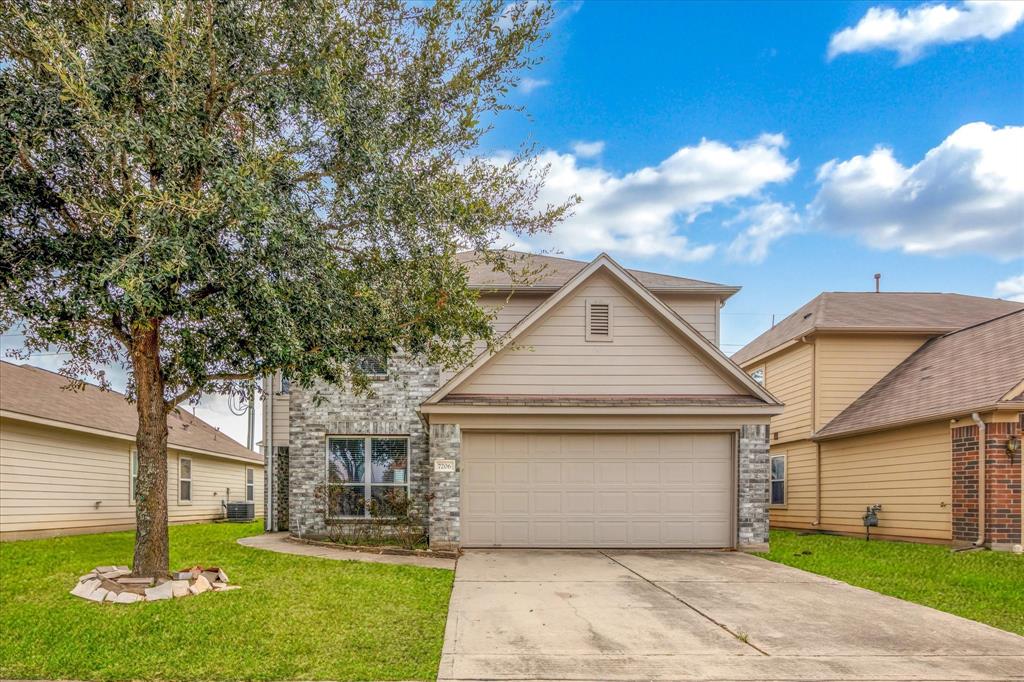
x: 51, y: 480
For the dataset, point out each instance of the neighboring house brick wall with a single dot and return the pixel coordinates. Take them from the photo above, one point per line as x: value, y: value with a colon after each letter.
x: 324, y: 410
x: 1002, y: 484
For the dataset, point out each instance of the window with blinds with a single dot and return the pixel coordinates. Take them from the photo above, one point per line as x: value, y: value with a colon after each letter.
x: 599, y: 320
x: 367, y: 476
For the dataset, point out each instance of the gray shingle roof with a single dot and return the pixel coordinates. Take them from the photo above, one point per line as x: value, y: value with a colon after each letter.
x: 549, y: 272
x: 862, y: 311
x: 959, y: 373
x: 36, y: 392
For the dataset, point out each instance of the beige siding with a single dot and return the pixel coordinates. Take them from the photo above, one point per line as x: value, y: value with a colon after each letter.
x: 554, y: 357
x: 849, y: 364
x: 51, y: 479
x: 906, y: 470
x: 788, y: 375
x: 700, y: 311
x: 801, y: 485
x: 279, y: 414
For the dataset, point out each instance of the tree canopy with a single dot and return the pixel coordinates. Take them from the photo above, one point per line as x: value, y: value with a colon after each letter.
x: 210, y: 191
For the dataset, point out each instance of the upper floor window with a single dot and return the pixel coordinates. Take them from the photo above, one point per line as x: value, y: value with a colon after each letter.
x: 599, y: 320
x: 367, y: 476
x: 373, y: 367
x: 286, y: 385
x: 758, y: 375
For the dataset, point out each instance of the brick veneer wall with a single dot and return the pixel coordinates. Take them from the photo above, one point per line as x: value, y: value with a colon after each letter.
x: 324, y: 410
x: 754, y: 478
x: 1002, y: 484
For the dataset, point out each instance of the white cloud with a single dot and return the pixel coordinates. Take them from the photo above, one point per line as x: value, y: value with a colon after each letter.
x: 588, y: 150
x: 528, y: 85
x: 912, y: 31
x: 967, y: 194
x: 640, y: 213
x: 1011, y: 288
x: 767, y: 223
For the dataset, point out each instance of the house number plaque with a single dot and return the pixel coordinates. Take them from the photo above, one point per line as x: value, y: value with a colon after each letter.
x: 444, y: 466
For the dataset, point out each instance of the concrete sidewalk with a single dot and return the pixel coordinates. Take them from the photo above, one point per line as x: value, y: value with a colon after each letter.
x: 673, y: 615
x: 278, y: 542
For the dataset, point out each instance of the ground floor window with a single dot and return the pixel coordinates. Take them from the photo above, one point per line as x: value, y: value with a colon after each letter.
x: 250, y: 488
x: 778, y: 480
x: 133, y: 478
x: 367, y: 476
x: 184, y: 479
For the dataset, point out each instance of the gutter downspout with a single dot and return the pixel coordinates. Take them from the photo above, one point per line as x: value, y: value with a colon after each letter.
x: 817, y: 484
x: 268, y: 440
x: 980, y: 542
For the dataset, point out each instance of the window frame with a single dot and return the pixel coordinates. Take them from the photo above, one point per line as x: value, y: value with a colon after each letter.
x: 764, y: 375
x: 367, y: 483
x: 784, y: 480
x: 133, y: 475
x: 182, y: 479
x: 250, y: 484
x: 373, y: 376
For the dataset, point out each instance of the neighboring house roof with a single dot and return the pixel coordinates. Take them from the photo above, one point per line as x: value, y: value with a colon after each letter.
x: 888, y: 311
x: 709, y: 350
x: 551, y: 273
x: 972, y: 369
x: 41, y: 395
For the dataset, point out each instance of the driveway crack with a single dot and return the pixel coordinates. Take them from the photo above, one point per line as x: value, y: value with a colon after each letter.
x: 739, y: 636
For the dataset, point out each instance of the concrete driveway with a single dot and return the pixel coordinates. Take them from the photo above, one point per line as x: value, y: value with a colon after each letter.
x: 621, y: 615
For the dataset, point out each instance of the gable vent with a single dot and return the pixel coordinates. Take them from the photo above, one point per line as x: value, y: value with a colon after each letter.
x: 599, y: 320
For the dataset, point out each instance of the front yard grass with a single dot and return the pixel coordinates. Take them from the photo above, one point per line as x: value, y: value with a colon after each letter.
x: 295, y: 617
x: 980, y: 585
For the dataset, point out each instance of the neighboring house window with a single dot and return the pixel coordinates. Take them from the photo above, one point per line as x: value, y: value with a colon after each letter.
x: 367, y: 474
x: 134, y: 477
x: 599, y: 320
x: 779, y: 480
x: 758, y: 375
x: 250, y: 488
x: 373, y: 367
x: 184, y: 479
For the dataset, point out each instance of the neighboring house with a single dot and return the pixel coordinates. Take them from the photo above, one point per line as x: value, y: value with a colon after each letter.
x: 67, y: 460
x: 607, y: 418
x: 879, y: 391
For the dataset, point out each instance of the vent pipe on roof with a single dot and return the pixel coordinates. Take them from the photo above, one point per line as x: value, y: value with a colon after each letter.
x: 878, y: 282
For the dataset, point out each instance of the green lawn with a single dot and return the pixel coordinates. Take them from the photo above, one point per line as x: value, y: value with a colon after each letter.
x: 980, y: 585
x: 295, y: 618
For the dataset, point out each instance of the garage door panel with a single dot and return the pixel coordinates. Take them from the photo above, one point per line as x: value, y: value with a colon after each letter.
x: 586, y: 490
x: 481, y: 502
x: 515, y: 502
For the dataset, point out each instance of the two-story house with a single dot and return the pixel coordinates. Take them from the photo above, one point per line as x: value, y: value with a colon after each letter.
x: 607, y: 417
x: 880, y: 389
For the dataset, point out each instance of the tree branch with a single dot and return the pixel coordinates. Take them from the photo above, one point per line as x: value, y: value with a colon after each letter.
x: 198, y: 386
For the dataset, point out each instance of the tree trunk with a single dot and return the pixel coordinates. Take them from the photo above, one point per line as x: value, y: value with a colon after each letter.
x: 151, y: 550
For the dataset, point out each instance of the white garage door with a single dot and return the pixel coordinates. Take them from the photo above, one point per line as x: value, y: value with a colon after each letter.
x: 596, y: 490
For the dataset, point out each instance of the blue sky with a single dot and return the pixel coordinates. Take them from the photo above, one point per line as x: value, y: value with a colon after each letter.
x: 650, y: 79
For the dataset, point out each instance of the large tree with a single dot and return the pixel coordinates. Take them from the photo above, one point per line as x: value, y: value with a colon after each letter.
x: 206, y: 192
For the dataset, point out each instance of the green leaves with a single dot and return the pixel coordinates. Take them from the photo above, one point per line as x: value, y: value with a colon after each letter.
x: 276, y: 187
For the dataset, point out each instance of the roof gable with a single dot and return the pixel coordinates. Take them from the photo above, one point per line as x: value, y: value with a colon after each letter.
x: 972, y: 369
x: 921, y: 312
x: 711, y: 372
